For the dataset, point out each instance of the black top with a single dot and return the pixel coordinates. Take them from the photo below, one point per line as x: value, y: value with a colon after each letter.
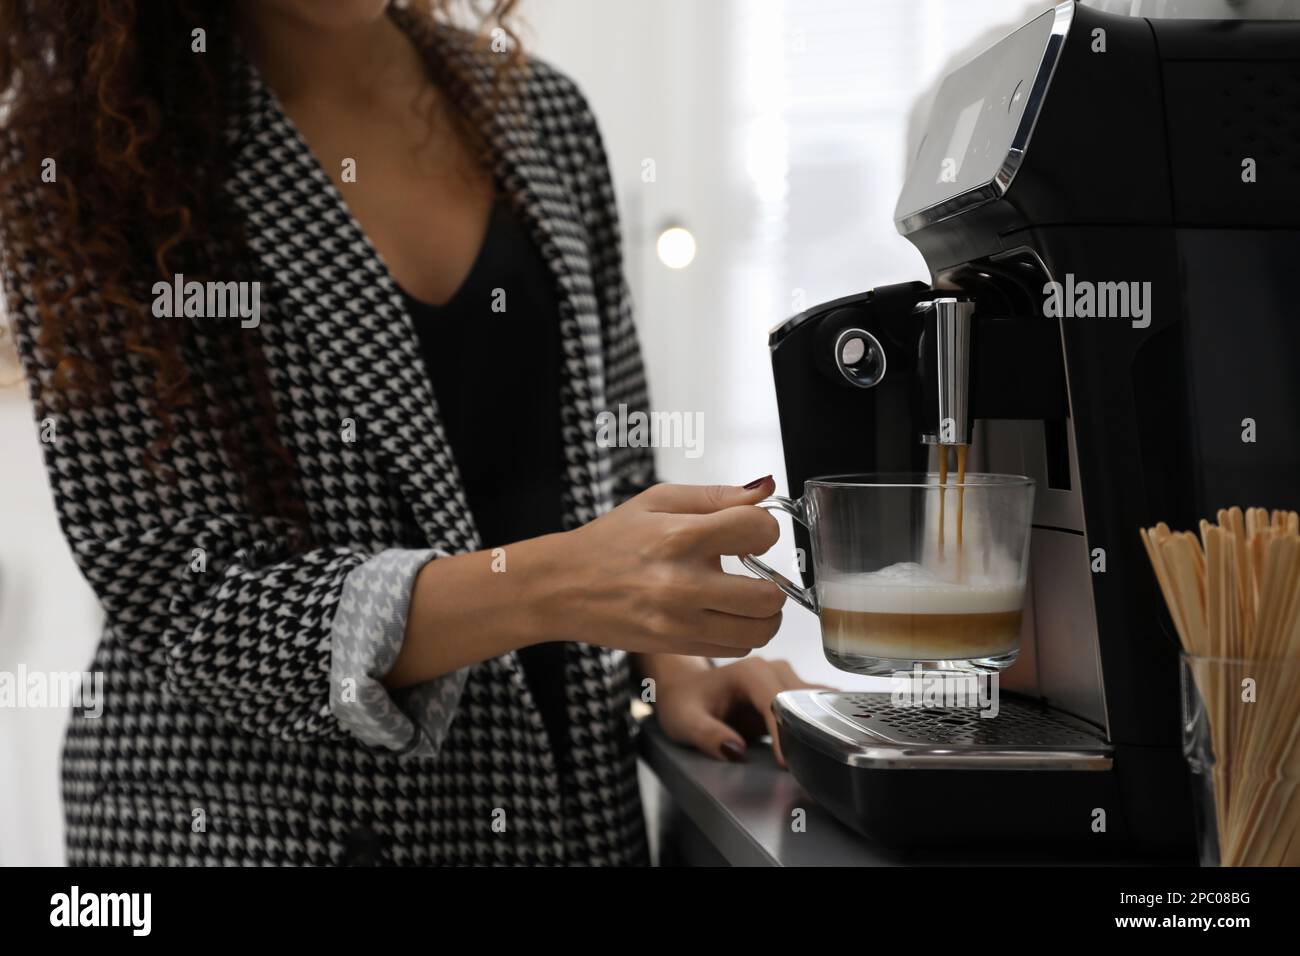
x: 493, y: 354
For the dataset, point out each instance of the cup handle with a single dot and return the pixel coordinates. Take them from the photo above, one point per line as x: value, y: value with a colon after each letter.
x: 794, y: 509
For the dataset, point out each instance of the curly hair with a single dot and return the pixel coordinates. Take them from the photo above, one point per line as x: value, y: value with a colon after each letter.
x: 109, y: 93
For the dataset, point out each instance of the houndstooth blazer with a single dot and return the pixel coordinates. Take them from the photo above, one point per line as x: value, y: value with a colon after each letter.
x: 244, y: 720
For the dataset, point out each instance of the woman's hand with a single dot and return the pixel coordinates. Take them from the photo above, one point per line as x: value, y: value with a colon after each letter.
x: 647, y: 577
x: 717, y: 709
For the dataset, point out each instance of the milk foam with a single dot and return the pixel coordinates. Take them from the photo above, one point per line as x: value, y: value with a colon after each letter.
x: 909, y: 588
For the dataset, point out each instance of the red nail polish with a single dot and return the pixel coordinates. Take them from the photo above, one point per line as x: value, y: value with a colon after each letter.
x: 756, y: 482
x: 733, y: 751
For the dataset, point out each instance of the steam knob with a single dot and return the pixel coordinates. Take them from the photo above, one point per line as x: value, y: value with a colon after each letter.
x: 860, y: 358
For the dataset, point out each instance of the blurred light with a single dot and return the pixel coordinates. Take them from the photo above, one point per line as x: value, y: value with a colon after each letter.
x: 676, y: 247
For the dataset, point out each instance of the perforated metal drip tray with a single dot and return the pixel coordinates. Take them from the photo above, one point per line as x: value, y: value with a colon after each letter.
x: 869, y: 730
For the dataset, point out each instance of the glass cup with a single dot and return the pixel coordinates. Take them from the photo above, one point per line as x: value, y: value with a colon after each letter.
x: 1241, y: 738
x: 911, y: 574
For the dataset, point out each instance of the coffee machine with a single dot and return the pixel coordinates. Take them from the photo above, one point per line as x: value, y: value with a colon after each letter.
x: 1109, y: 210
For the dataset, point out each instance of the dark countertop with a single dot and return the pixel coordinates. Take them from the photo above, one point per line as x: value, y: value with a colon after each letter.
x: 740, y: 814
x: 745, y: 810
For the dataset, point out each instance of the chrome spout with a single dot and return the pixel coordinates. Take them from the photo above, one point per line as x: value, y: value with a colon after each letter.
x: 952, y: 326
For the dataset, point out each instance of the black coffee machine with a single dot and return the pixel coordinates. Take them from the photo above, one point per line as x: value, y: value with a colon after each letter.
x: 1151, y: 169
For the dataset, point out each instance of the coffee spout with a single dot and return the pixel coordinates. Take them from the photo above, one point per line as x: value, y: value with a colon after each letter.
x: 952, y: 324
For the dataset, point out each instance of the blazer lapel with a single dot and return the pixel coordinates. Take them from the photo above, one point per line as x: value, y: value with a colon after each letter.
x: 327, y: 277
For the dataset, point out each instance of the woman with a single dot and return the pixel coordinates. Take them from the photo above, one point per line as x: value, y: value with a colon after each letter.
x: 319, y: 304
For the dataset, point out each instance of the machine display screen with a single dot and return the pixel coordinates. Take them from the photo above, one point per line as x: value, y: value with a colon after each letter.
x: 962, y: 132
x: 975, y: 117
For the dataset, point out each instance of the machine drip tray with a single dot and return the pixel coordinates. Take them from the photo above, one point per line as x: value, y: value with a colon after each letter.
x: 923, y: 776
x: 870, y: 730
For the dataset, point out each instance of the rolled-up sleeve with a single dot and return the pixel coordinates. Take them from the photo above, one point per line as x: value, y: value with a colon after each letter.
x: 368, y: 629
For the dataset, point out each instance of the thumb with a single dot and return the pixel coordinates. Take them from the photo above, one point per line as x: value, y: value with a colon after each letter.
x: 705, y: 499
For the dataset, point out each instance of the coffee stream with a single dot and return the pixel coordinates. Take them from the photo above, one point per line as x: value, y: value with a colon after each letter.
x: 961, y: 497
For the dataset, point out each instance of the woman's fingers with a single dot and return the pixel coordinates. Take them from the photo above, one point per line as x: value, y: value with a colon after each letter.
x: 761, y: 686
x: 697, y: 716
x: 701, y: 499
x: 766, y: 679
x: 715, y: 737
x: 701, y: 649
x: 740, y: 595
x: 787, y: 674
x: 735, y: 631
x: 742, y: 530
